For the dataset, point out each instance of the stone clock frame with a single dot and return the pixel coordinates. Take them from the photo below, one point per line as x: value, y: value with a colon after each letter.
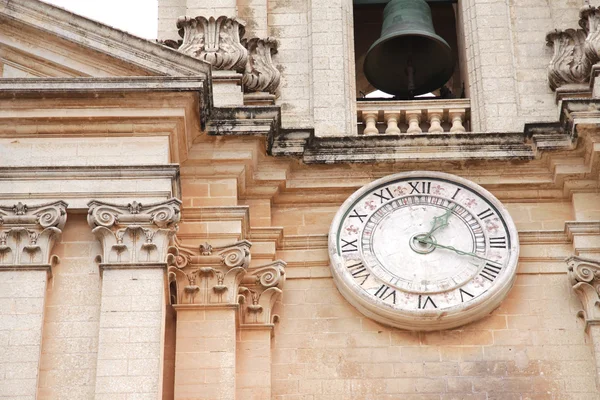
x: 423, y: 319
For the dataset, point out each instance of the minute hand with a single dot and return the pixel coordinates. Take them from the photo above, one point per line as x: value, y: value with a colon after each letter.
x: 457, y: 251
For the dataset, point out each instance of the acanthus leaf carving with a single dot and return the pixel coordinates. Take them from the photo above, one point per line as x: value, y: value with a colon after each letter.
x: 134, y: 233
x: 216, y: 41
x: 260, y: 74
x: 584, y: 275
x: 28, y: 233
x: 207, y: 275
x: 589, y: 22
x: 260, y: 291
x: 569, y: 64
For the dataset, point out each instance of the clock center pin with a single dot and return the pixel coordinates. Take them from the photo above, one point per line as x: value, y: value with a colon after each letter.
x: 417, y: 244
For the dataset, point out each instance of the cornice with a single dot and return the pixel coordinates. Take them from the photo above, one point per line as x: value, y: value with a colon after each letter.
x: 583, y: 228
x: 44, y: 183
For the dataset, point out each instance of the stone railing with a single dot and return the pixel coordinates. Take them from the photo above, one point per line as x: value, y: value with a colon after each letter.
x: 413, y: 117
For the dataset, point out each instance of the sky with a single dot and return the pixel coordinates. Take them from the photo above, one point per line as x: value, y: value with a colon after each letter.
x: 139, y: 17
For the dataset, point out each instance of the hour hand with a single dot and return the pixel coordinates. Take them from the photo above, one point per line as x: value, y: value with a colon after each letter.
x: 440, y: 221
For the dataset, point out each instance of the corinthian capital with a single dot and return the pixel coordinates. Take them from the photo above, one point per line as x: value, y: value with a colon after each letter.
x: 134, y: 233
x: 584, y: 275
x: 28, y: 233
x: 260, y: 291
x: 261, y: 75
x: 216, y: 41
x: 206, y: 275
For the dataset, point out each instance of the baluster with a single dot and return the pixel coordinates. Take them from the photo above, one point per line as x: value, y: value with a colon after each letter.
x: 370, y: 120
x: 391, y: 119
x: 457, y: 117
x: 414, y: 120
x: 435, y: 120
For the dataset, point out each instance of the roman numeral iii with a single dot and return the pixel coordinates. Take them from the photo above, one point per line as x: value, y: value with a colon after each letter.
x: 498, y: 242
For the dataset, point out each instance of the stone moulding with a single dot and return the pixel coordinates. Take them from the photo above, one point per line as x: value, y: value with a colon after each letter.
x: 28, y: 233
x: 575, y: 50
x: 260, y: 74
x: 216, y: 41
x: 134, y: 234
x: 584, y: 276
x: 260, y: 291
x: 205, y: 275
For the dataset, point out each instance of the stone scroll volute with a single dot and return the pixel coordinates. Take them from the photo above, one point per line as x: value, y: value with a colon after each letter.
x: 134, y: 233
x: 575, y: 50
x: 207, y: 275
x: 260, y: 74
x: 28, y: 233
x: 584, y: 276
x: 216, y: 41
x: 260, y: 291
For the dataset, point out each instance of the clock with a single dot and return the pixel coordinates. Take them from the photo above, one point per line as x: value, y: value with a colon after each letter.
x: 423, y: 251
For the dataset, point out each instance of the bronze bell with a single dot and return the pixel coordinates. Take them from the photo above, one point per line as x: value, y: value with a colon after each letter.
x: 409, y: 58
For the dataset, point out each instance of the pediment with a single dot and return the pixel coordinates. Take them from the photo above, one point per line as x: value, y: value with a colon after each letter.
x: 41, y: 40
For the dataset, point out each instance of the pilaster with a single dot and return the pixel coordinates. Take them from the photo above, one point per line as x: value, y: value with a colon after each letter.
x: 134, y: 240
x: 27, y: 236
x: 203, y: 289
x: 584, y: 276
x: 260, y: 291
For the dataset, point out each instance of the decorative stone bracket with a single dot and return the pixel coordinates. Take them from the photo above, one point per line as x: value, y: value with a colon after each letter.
x: 584, y: 275
x: 261, y: 290
x: 28, y: 233
x: 575, y: 50
x: 219, y: 42
x: 134, y: 234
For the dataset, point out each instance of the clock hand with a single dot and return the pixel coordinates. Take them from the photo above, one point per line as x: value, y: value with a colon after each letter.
x: 460, y: 252
x: 440, y: 221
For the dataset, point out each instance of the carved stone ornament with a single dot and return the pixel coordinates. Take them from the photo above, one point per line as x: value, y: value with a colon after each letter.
x: 216, y: 41
x: 584, y: 275
x: 28, y: 233
x: 575, y: 50
x: 261, y: 289
x: 207, y: 275
x: 261, y: 75
x: 569, y: 65
x: 134, y: 233
x: 590, y: 21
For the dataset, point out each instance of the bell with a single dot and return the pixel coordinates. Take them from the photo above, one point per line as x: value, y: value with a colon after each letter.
x: 409, y: 58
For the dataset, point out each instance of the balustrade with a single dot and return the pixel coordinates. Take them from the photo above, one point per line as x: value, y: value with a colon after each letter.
x: 413, y: 117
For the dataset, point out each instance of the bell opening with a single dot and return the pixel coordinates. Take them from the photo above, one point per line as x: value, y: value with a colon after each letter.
x: 382, y: 61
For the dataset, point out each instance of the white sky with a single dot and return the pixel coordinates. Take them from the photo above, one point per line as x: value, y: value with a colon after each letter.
x: 139, y: 17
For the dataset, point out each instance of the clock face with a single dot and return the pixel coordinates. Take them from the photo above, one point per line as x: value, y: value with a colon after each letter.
x: 423, y: 251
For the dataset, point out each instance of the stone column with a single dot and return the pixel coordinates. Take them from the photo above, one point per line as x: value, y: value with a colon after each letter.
x: 203, y: 285
x: 27, y: 235
x: 260, y: 291
x: 584, y: 275
x: 134, y: 240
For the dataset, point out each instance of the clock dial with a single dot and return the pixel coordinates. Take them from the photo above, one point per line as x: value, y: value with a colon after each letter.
x: 423, y: 250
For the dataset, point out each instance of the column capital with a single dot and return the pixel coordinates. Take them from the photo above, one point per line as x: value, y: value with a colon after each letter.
x: 260, y: 291
x: 28, y: 233
x: 134, y: 234
x: 584, y: 276
x: 206, y: 275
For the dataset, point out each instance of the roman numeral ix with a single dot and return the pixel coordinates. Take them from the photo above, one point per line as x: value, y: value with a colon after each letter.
x: 349, y: 246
